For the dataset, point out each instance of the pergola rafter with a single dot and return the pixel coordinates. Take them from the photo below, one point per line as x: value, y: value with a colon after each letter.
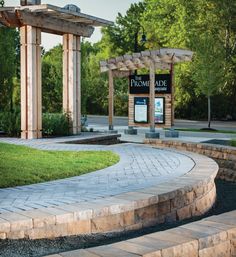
x: 162, y: 59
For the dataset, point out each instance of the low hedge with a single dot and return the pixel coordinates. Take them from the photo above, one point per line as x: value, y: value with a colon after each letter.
x: 54, y: 124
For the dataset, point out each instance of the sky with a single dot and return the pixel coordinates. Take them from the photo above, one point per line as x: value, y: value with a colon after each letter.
x: 106, y: 9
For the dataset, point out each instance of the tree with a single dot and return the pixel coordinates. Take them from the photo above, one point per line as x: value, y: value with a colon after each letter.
x: 126, y: 34
x: 52, y: 80
x: 9, y: 61
x: 208, y: 67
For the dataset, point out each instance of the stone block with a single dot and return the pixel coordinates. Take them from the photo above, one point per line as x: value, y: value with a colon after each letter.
x: 178, y: 202
x: 4, y: 226
x: 150, y: 242
x: 171, y: 133
x: 128, y: 218
x: 79, y: 253
x: 146, y: 213
x: 152, y: 135
x: 171, y: 236
x: 50, y: 231
x: 79, y: 227
x: 62, y: 216
x: 213, y: 236
x: 170, y: 217
x: 109, y: 250
x: 133, y: 248
x: 104, y: 224
x: 17, y: 221
x: 40, y: 218
x: 153, y: 254
x: 164, y: 208
x: 228, y: 218
x: 15, y: 235
x: 182, y: 250
x: 220, y: 250
x: 3, y: 236
x: 233, y: 246
x: 131, y: 131
x: 184, y: 213
x: 134, y: 227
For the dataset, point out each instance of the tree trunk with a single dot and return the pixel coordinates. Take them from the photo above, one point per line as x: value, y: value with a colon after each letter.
x: 209, y: 111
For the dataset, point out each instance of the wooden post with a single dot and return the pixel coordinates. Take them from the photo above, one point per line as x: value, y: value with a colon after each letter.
x: 31, y: 95
x: 152, y: 96
x: 72, y: 80
x: 111, y: 100
x: 172, y: 94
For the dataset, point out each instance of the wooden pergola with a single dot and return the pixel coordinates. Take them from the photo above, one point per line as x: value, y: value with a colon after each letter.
x: 72, y: 25
x: 123, y: 66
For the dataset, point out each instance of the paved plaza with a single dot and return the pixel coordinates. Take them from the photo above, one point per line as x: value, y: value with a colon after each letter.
x: 140, y: 166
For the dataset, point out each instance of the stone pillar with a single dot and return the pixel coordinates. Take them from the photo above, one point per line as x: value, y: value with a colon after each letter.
x: 31, y: 88
x: 71, y: 80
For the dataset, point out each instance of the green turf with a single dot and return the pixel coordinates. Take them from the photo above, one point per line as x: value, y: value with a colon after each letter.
x: 208, y: 131
x: 233, y: 142
x: 20, y: 165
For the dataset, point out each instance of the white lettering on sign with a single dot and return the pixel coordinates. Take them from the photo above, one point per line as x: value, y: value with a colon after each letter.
x: 141, y: 83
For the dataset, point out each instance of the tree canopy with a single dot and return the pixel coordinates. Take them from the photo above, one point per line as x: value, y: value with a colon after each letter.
x: 208, y: 27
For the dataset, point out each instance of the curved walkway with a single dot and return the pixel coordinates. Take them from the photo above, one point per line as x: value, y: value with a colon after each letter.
x: 140, y: 166
x: 148, y: 186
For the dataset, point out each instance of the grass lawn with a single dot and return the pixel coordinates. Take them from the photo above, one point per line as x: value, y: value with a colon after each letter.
x: 208, y: 131
x: 233, y: 142
x: 20, y: 165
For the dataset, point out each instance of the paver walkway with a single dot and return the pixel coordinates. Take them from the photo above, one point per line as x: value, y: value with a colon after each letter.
x: 140, y: 166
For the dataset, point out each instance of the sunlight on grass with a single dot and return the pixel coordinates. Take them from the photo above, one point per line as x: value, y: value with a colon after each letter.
x: 21, y: 165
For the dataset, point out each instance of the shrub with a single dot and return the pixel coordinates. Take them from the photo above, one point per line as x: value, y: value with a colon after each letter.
x: 56, y: 124
x: 10, y: 123
x: 233, y: 142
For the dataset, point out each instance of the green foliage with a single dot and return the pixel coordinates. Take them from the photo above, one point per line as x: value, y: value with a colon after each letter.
x: 20, y: 165
x: 233, y: 142
x: 9, y: 61
x: 52, y: 80
x: 56, y: 124
x: 121, y: 37
x: 10, y: 122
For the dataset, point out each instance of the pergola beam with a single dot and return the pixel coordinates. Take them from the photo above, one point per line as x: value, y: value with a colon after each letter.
x: 55, y: 25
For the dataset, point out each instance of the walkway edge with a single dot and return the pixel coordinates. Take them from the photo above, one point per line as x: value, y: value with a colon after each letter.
x: 190, y: 195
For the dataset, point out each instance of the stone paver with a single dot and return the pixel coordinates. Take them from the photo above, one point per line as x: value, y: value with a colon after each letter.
x: 140, y: 166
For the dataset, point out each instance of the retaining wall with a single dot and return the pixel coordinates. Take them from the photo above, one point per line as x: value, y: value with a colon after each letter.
x: 211, y: 237
x: 225, y: 156
x: 190, y: 195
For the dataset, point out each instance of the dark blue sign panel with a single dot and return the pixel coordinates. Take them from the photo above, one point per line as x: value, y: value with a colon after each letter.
x: 139, y: 84
x: 159, y: 110
x: 141, y: 109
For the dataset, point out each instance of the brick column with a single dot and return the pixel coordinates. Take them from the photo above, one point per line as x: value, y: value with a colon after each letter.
x: 31, y: 88
x: 72, y: 80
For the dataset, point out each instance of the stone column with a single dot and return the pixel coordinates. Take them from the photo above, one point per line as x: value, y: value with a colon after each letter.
x: 72, y: 80
x: 31, y: 88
